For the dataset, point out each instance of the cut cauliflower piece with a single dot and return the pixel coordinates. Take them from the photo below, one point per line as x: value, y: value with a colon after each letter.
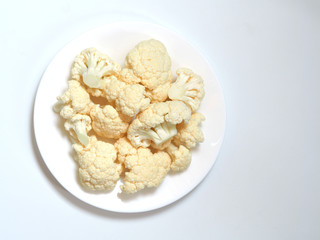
x: 74, y: 100
x: 188, y: 88
x: 107, y: 122
x: 189, y: 134
x: 124, y: 149
x: 93, y: 68
x: 129, y: 99
x: 113, y: 89
x: 98, y: 169
x: 159, y: 94
x: 150, y: 62
x: 180, y: 157
x: 78, y: 126
x: 127, y: 76
x: 145, y: 169
x: 132, y: 100
x: 157, y: 124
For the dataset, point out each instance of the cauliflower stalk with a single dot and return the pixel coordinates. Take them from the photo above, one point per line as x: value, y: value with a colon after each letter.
x: 160, y: 133
x: 78, y: 126
x: 188, y: 88
x: 94, y: 68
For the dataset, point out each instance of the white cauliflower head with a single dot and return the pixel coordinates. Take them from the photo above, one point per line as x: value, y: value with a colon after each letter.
x: 180, y: 157
x: 145, y: 169
x: 189, y: 134
x: 107, y: 122
x: 98, y: 169
x: 93, y: 68
x: 188, y: 88
x: 74, y: 100
x: 78, y: 126
x: 150, y: 62
x: 132, y: 100
x: 157, y: 124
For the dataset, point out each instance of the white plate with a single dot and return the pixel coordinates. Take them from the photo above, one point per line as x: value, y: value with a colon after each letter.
x: 116, y: 40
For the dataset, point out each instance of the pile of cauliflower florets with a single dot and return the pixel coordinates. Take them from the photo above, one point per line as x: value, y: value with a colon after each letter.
x: 133, y: 123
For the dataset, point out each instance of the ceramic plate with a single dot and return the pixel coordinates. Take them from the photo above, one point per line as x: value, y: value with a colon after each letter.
x: 116, y: 40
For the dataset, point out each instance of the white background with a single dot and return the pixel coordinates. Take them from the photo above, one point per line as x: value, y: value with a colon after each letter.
x: 265, y: 183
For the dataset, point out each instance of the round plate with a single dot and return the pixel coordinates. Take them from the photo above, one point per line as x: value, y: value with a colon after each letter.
x: 115, y: 40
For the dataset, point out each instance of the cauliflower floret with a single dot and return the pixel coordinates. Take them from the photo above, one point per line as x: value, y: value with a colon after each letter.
x: 127, y: 76
x: 149, y: 61
x: 132, y: 100
x: 124, y: 149
x: 189, y: 134
x: 74, y: 100
x: 157, y: 124
x: 128, y: 99
x: 159, y: 94
x: 180, y: 156
x: 145, y: 169
x: 94, y: 69
x: 107, y: 122
x: 113, y: 89
x: 188, y: 88
x: 98, y: 169
x: 78, y: 126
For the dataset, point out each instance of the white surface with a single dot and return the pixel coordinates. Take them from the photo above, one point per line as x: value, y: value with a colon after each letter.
x: 265, y: 183
x: 116, y: 40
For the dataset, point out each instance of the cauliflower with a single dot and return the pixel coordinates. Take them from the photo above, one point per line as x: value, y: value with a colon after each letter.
x: 107, y: 122
x: 145, y: 169
x: 127, y: 76
x: 128, y: 99
x: 132, y: 100
x: 180, y: 156
x: 149, y: 63
x: 74, y: 100
x: 189, y: 134
x: 160, y: 93
x: 153, y: 121
x: 112, y: 89
x: 98, y: 169
x: 78, y: 126
x: 157, y: 124
x: 188, y: 88
x: 124, y: 149
x: 94, y: 68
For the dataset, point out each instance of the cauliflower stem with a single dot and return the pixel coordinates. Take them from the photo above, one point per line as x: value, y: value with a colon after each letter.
x: 80, y: 129
x: 80, y: 125
x: 96, y: 70
x: 188, y: 88
x: 160, y: 133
